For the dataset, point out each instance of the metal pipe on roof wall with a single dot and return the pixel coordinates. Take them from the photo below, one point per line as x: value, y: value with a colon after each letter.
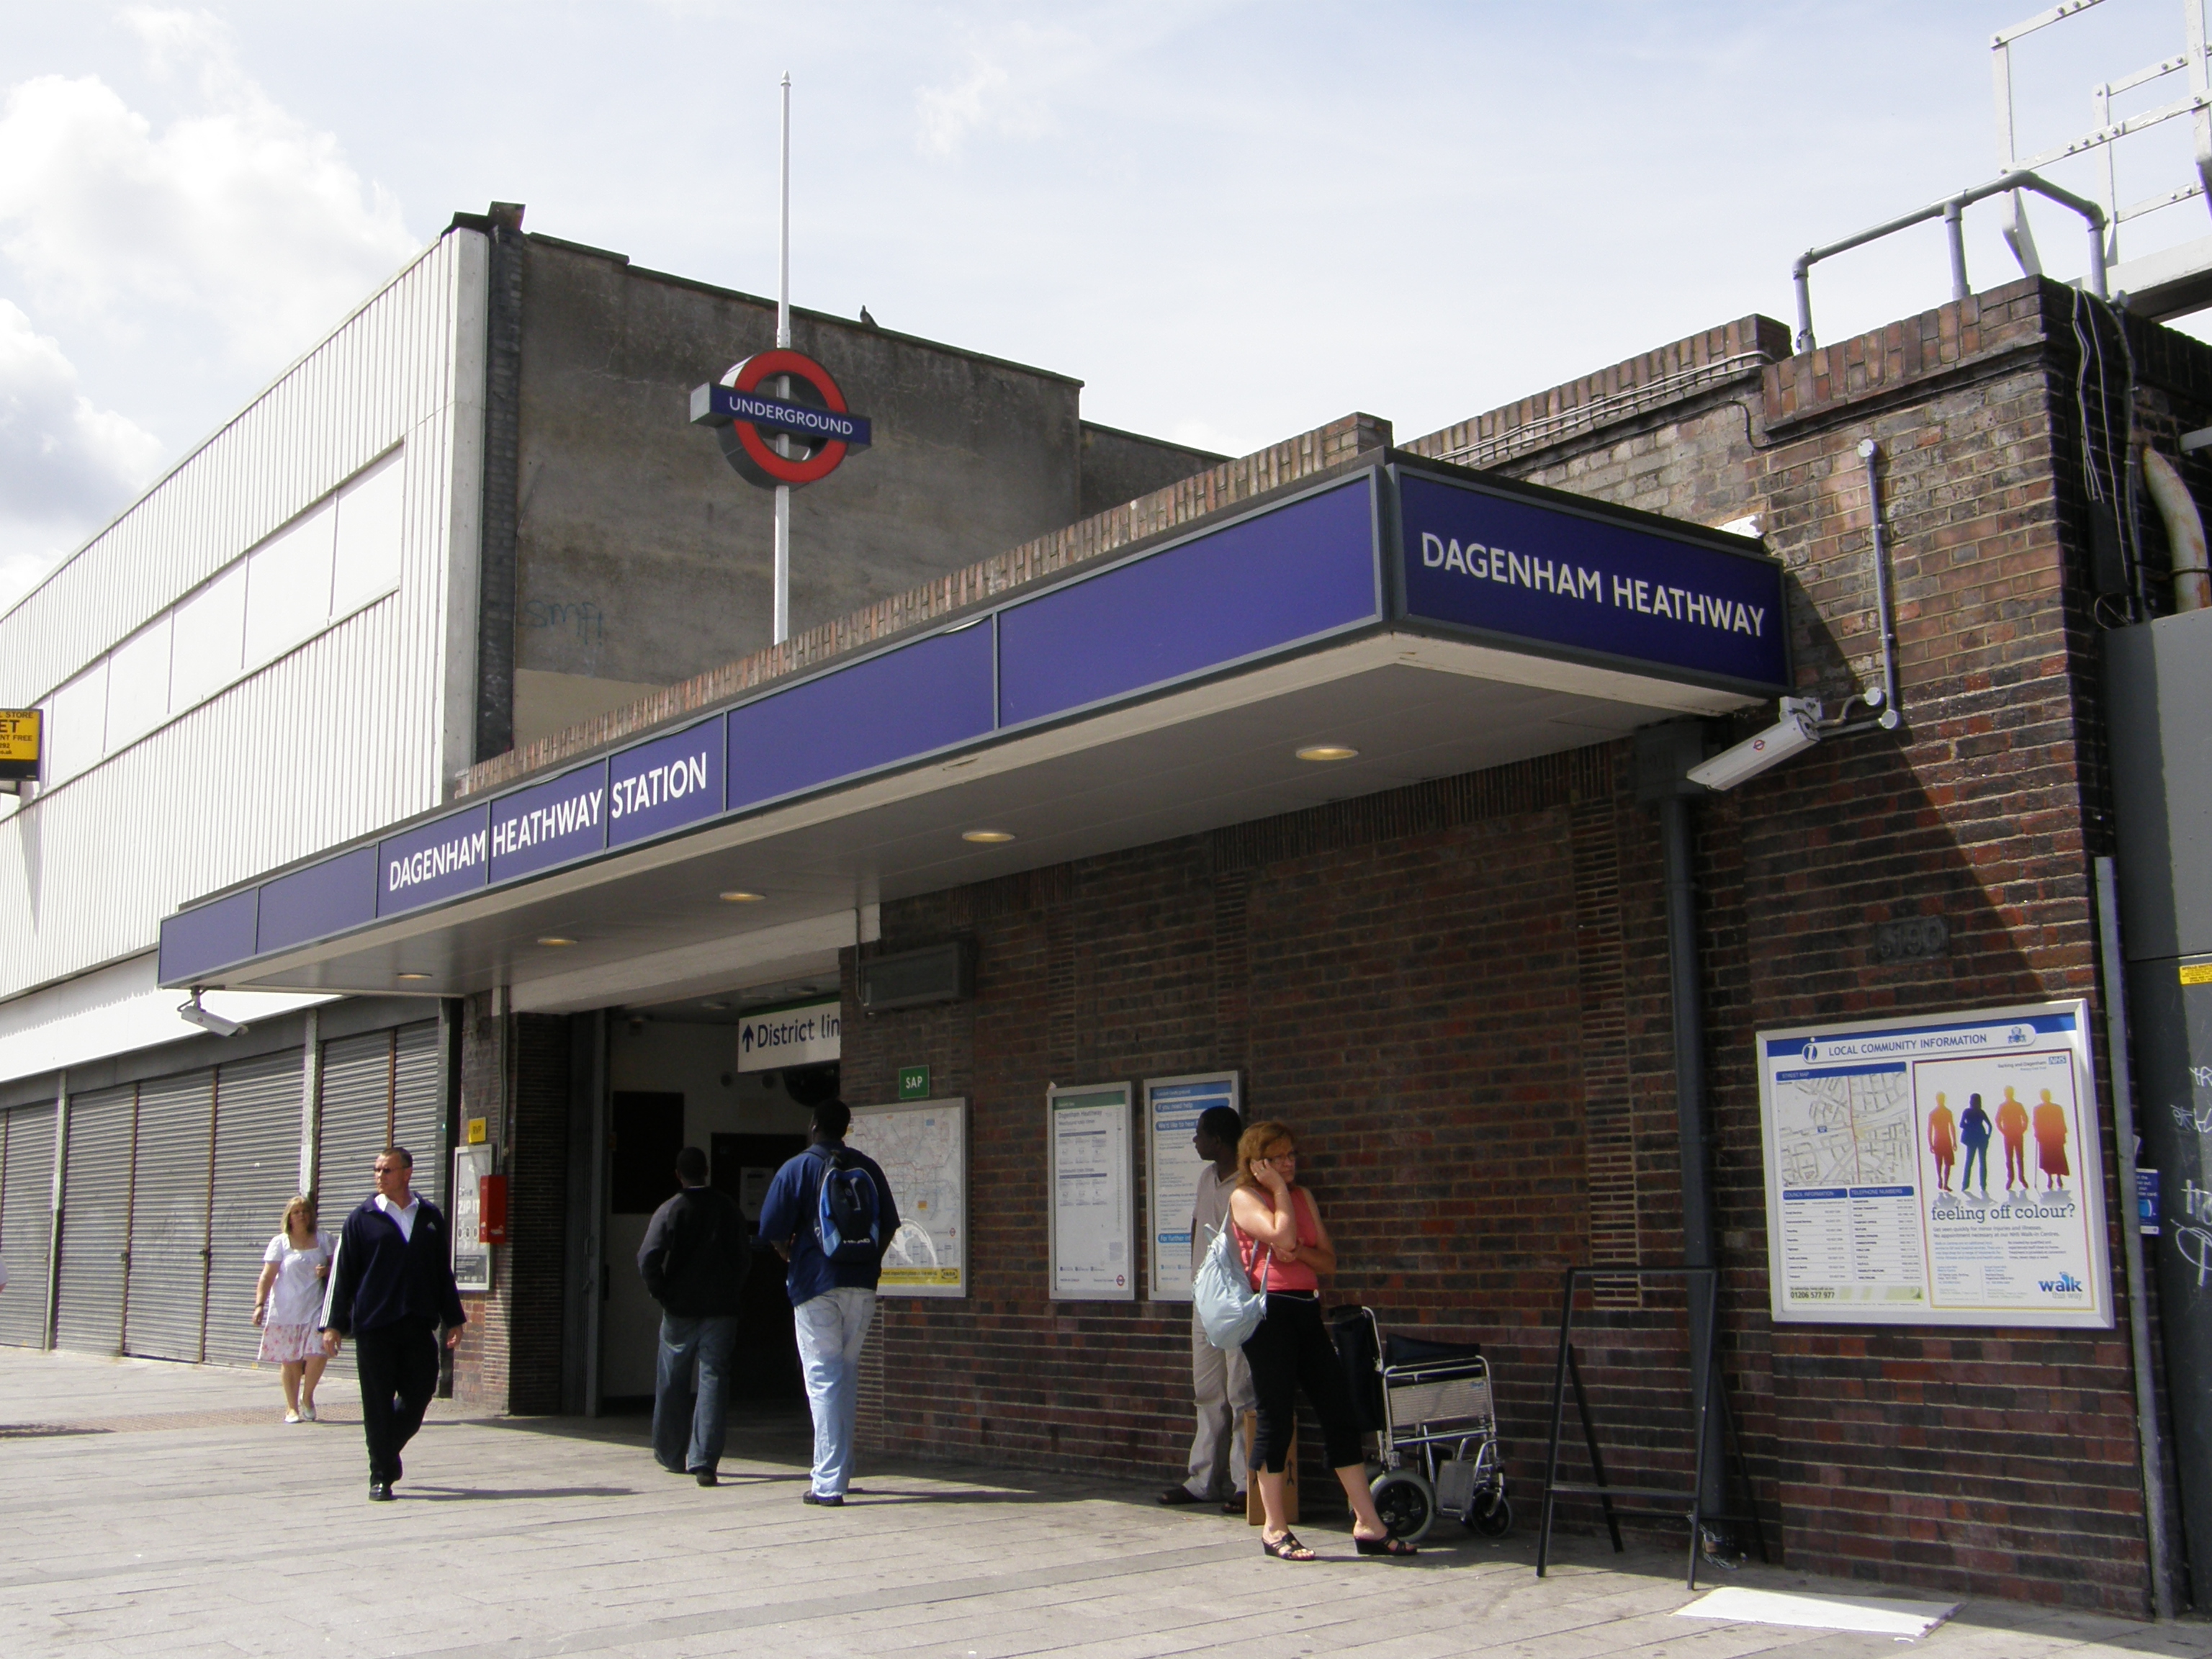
x: 1889, y: 719
x: 2148, y: 1442
x: 1955, y: 232
x: 2185, y: 530
x: 1950, y: 210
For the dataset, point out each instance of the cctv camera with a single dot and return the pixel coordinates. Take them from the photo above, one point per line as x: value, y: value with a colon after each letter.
x: 1798, y: 729
x: 206, y: 1018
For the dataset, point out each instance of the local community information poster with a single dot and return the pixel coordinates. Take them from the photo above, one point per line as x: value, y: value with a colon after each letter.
x: 1088, y: 1136
x: 922, y: 1148
x: 1940, y: 1170
x: 1172, y: 1107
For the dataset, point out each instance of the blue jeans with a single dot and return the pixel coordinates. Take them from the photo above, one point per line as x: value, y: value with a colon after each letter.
x: 687, y: 1433
x: 831, y: 1328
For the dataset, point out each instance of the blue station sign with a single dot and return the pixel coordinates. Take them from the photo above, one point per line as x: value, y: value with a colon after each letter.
x: 1405, y: 545
x: 1526, y: 568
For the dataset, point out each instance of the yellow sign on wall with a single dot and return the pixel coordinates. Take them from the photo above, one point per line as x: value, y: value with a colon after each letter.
x: 21, y: 731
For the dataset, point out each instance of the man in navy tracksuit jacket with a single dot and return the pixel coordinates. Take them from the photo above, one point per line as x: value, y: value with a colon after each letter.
x: 392, y: 1287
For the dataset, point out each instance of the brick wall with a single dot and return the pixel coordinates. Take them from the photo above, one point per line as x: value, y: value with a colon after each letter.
x: 1457, y: 993
x: 510, y: 1355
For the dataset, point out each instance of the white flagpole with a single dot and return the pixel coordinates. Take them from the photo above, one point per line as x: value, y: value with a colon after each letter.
x: 783, y: 344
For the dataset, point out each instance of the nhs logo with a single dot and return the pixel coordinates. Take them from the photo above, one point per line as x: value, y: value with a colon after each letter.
x: 2064, y: 1285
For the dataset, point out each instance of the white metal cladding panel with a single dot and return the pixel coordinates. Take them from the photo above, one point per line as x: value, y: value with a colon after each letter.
x: 377, y: 378
x: 169, y: 1219
x: 358, y: 1090
x: 419, y: 1105
x: 329, y: 742
x: 256, y: 1171
x: 26, y: 1197
x: 95, y: 1222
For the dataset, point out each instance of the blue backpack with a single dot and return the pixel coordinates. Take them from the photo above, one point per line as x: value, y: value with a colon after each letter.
x: 846, y: 1214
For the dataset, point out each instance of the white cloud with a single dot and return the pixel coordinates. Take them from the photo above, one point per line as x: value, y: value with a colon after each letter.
x: 65, y: 464
x: 950, y: 113
x: 235, y: 213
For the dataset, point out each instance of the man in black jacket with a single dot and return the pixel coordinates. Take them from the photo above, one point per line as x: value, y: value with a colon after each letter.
x: 694, y: 1261
x: 392, y: 1287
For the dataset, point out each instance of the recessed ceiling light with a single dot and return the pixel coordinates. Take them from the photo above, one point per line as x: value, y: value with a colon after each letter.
x: 739, y: 896
x: 986, y: 837
x: 411, y: 976
x: 556, y: 938
x: 717, y: 1006
x: 1327, y: 751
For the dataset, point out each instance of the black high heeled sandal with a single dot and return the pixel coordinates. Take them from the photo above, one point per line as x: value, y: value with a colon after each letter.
x: 1287, y: 1549
x: 1384, y: 1546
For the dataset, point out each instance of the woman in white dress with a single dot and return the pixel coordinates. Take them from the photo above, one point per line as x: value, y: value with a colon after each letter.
x: 288, y: 1306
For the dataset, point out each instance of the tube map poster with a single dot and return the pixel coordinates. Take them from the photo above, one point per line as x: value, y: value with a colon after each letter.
x: 922, y: 1147
x: 1939, y: 1171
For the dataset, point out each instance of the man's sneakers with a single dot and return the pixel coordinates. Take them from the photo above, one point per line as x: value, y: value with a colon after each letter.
x: 1177, y: 1495
x: 705, y: 1476
x: 380, y: 1491
x: 831, y: 1502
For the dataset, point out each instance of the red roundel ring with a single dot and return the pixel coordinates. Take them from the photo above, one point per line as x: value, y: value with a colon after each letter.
x: 747, y: 377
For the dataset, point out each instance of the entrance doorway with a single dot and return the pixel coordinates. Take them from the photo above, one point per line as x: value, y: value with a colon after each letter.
x: 673, y: 1080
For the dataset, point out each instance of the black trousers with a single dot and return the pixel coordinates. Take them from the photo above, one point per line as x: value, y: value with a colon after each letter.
x: 398, y: 1367
x: 1292, y: 1350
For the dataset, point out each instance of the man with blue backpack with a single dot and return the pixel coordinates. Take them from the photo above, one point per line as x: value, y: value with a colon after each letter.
x: 828, y: 1213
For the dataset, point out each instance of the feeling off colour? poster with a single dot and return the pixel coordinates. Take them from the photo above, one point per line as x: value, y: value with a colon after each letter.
x: 1939, y: 1171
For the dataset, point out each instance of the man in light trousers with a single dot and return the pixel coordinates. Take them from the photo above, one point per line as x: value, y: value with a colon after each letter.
x: 832, y: 1303
x: 1220, y: 1381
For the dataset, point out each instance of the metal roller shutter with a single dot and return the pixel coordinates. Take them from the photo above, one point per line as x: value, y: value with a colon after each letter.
x: 256, y: 1173
x: 95, y: 1222
x: 357, y: 1101
x: 27, y: 1198
x: 356, y: 1121
x: 419, y: 1106
x: 169, y: 1217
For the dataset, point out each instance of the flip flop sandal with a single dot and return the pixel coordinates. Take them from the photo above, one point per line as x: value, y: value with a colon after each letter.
x: 1287, y: 1549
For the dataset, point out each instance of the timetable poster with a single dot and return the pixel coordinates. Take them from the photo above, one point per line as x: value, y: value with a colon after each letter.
x: 1173, y: 1106
x: 1942, y: 1170
x: 1088, y: 1136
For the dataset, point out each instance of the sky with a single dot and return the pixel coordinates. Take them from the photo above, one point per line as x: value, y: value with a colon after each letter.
x: 1234, y: 219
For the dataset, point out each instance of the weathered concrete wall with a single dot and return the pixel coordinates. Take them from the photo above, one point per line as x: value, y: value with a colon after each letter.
x: 1119, y: 467
x: 643, y: 559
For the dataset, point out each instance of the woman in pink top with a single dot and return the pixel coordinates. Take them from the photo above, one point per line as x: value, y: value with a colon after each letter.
x: 1286, y: 1250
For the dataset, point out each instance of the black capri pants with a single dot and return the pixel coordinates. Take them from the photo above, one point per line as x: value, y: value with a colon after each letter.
x: 1291, y: 1350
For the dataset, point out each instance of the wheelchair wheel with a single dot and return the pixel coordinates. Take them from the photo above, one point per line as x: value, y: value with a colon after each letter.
x: 1492, y: 1514
x: 1406, y: 1503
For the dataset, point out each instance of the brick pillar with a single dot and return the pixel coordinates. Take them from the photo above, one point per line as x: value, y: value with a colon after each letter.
x: 510, y: 1356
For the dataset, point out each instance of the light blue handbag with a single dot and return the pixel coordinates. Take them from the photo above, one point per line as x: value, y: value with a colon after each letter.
x: 1228, y: 1307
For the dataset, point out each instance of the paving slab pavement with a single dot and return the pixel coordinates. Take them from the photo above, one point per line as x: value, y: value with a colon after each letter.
x: 165, y: 1510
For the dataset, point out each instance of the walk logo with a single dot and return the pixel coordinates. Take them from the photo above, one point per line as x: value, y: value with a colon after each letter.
x: 2064, y: 1285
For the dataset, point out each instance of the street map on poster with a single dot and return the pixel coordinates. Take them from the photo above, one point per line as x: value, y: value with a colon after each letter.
x: 922, y: 1148
x: 1087, y: 1137
x: 1172, y: 1105
x: 1939, y: 1171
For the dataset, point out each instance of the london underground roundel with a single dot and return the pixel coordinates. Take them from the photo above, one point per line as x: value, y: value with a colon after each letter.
x: 782, y: 419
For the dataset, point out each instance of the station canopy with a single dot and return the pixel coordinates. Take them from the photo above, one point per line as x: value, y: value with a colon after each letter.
x: 1392, y: 623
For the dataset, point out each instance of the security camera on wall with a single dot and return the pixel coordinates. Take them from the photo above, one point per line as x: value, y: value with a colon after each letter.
x: 206, y: 1018
x: 1798, y: 730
